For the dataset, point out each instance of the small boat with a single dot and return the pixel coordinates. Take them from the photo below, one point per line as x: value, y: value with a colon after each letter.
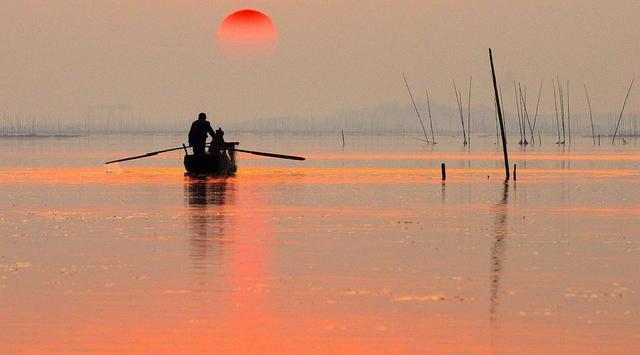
x: 217, y: 161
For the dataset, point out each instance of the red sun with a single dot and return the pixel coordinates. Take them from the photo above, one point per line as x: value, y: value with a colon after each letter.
x: 247, y: 33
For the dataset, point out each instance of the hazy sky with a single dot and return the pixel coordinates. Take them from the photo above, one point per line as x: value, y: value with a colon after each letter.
x: 160, y: 56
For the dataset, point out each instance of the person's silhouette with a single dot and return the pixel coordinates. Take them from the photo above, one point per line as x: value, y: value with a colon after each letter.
x: 198, y: 134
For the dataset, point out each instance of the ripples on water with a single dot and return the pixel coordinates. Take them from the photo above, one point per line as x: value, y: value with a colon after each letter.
x: 355, y: 250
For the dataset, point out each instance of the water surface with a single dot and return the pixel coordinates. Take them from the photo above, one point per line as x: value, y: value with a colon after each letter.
x: 361, y: 249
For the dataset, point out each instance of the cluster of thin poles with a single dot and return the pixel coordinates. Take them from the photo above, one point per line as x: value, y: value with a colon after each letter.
x: 428, y: 140
x: 527, y: 127
x: 18, y: 125
x: 466, y: 134
x: 563, y: 119
x: 524, y: 120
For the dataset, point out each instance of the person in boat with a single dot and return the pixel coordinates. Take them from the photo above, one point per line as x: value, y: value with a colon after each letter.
x: 200, y: 128
x: 219, y: 147
x: 218, y: 142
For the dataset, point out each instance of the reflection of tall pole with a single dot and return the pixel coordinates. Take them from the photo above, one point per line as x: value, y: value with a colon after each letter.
x: 498, y: 254
x: 504, y: 139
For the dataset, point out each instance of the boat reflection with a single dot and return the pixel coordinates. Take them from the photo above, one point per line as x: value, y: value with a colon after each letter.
x: 209, y: 201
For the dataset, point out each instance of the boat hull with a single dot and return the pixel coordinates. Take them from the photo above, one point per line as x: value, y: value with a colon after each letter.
x: 210, y: 164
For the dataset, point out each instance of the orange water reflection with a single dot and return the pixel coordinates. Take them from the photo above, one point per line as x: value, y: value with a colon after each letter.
x: 318, y: 260
x: 257, y: 175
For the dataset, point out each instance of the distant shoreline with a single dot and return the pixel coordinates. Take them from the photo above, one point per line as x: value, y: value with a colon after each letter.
x: 39, y: 135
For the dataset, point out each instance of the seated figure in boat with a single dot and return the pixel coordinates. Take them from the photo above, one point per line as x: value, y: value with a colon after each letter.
x: 200, y: 128
x: 217, y: 143
x: 219, y: 147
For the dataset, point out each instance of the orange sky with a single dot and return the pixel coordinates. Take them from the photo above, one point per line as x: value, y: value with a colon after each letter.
x: 161, y: 57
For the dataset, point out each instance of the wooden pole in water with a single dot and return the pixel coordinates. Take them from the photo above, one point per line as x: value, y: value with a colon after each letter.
x: 433, y: 138
x: 504, y: 115
x: 568, y: 112
x: 515, y: 92
x: 495, y: 106
x: 469, y: 112
x: 621, y: 112
x: 539, y: 138
x: 416, y: 108
x: 593, y: 131
x: 459, y: 100
x: 343, y: 138
x: 525, y: 115
x: 535, y: 117
x: 555, y: 103
x: 561, y: 94
x: 515, y: 174
x: 504, y: 139
x: 443, y: 169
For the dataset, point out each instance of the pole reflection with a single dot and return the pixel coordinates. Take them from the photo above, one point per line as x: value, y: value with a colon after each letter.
x: 498, y: 255
x: 208, y: 200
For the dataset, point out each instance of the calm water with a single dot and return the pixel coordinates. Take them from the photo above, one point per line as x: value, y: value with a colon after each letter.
x: 357, y: 250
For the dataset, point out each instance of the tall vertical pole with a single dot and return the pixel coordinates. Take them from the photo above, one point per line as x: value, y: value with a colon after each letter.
x: 504, y: 139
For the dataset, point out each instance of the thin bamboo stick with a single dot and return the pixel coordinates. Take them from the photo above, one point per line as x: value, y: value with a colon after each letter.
x: 433, y: 139
x: 568, y: 112
x: 555, y: 103
x: 459, y: 100
x: 469, y: 112
x: 535, y: 117
x: 415, y: 107
x: 525, y: 115
x: 561, y: 94
x: 515, y: 92
x: 621, y: 112
x: 593, y: 131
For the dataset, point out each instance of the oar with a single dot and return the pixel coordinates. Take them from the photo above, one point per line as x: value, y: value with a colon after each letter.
x: 143, y: 155
x: 264, y: 154
x: 270, y: 155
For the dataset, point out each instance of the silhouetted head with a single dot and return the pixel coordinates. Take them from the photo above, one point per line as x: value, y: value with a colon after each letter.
x: 202, y: 116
